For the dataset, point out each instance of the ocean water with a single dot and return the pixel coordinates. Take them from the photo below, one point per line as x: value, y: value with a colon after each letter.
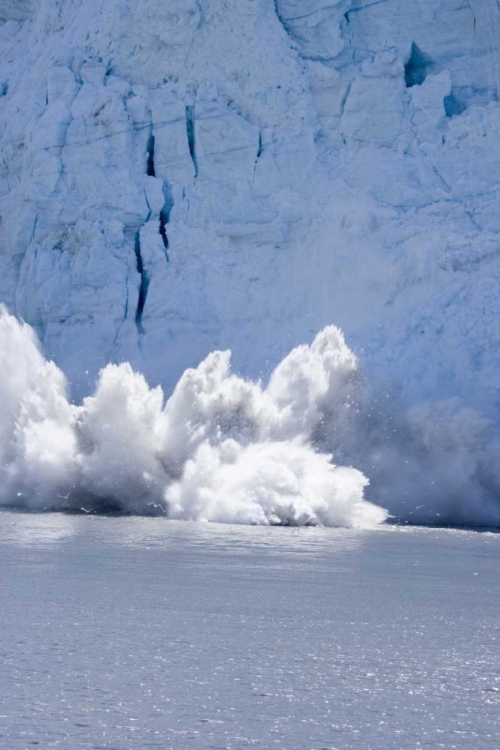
x: 146, y: 633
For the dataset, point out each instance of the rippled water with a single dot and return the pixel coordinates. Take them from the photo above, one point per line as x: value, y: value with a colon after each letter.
x: 145, y: 633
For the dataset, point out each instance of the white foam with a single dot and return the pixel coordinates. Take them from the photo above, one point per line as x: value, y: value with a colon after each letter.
x: 226, y: 449
x: 221, y: 449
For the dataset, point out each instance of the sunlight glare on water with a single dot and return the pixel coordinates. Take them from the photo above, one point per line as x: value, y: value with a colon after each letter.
x: 149, y: 633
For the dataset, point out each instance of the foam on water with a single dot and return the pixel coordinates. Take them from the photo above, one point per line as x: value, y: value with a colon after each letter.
x: 225, y: 449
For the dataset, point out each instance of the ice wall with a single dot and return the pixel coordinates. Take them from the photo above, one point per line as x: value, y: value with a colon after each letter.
x: 178, y: 176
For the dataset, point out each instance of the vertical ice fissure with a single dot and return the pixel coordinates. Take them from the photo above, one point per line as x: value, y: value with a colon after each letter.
x: 163, y: 230
x: 260, y: 148
x: 144, y: 284
x: 151, y: 157
x: 191, y: 136
x: 163, y: 217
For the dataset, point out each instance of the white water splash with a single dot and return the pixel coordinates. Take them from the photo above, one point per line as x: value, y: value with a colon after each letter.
x: 226, y: 449
x: 220, y: 449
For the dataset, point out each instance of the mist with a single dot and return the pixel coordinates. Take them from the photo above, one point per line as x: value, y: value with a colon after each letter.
x: 316, y: 445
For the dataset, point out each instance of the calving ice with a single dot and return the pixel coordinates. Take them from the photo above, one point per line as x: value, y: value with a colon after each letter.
x: 181, y: 177
x: 220, y: 449
x: 227, y: 449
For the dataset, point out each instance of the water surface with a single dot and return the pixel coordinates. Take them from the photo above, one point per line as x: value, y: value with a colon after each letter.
x: 146, y: 633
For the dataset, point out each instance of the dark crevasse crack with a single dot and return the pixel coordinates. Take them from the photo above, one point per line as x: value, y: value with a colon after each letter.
x: 191, y: 136
x: 417, y: 67
x: 165, y: 212
x: 163, y: 219
x: 258, y: 154
x: 150, y: 169
x: 143, y: 287
x: 278, y: 14
x: 260, y: 148
x: 164, y: 215
x: 452, y: 105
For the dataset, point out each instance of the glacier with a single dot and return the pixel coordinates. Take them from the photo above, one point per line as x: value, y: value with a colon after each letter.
x: 184, y: 176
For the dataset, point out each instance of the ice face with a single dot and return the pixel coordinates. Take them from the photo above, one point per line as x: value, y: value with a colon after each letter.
x: 177, y: 177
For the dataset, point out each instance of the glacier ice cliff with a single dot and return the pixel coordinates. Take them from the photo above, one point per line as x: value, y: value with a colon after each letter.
x: 178, y: 176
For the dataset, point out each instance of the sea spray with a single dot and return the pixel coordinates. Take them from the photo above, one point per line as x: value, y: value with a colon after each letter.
x: 317, y: 445
x: 220, y: 449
